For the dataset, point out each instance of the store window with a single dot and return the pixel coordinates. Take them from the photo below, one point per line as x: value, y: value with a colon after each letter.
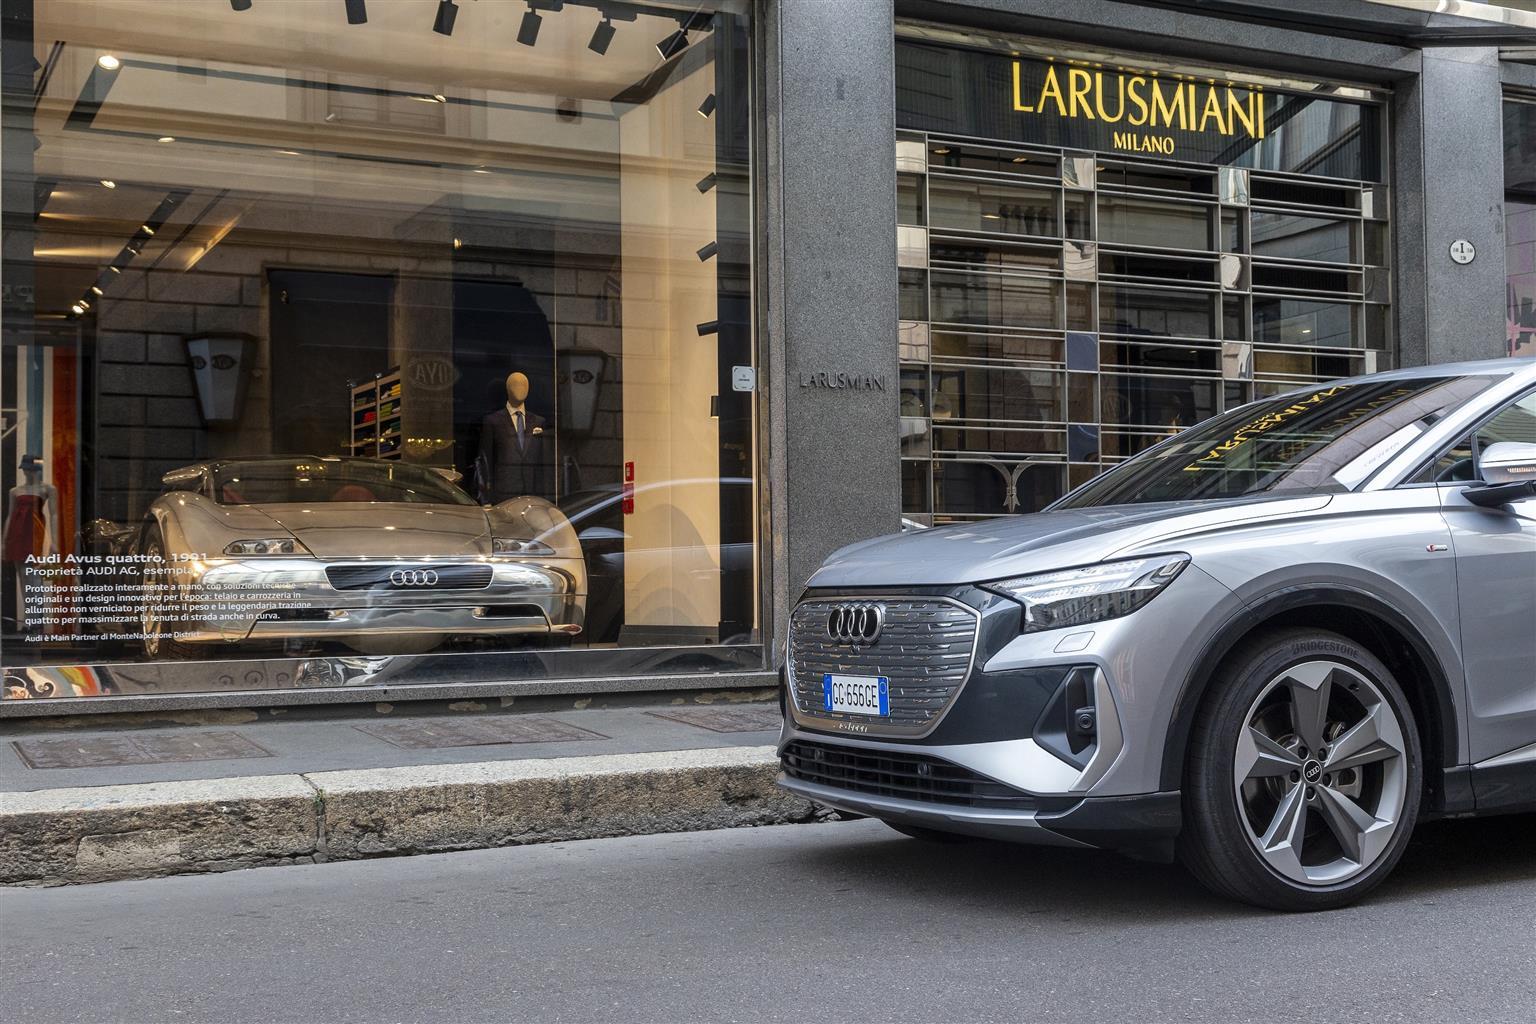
x: 393, y: 341
x: 1520, y: 223
x: 1098, y: 251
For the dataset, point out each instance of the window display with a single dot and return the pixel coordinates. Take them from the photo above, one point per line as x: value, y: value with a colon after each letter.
x: 329, y: 346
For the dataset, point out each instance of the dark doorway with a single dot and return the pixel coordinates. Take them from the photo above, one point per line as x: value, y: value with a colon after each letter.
x: 327, y: 330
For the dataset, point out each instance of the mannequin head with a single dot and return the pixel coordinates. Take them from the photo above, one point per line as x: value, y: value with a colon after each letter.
x: 32, y: 468
x: 517, y: 388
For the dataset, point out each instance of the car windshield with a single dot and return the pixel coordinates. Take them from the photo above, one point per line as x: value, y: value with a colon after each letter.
x: 309, y: 481
x: 1324, y: 440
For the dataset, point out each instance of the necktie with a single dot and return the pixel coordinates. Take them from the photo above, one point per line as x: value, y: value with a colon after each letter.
x: 518, y: 418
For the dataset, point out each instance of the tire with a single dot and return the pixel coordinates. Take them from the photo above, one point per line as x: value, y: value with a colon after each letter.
x: 1304, y: 736
x: 158, y: 642
x: 930, y: 835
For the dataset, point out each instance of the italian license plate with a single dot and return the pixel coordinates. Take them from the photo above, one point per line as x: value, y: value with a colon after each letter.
x: 856, y: 695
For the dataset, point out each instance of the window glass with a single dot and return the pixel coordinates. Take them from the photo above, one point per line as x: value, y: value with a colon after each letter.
x: 1516, y: 423
x: 1297, y: 443
x: 414, y: 342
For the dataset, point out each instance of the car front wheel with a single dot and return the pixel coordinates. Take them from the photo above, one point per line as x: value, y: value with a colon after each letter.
x: 1304, y: 777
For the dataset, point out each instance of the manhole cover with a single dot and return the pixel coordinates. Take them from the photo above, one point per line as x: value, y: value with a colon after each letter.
x: 107, y: 751
x: 725, y: 719
x: 476, y: 732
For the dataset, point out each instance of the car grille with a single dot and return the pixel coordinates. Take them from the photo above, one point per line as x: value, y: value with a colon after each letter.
x: 925, y: 649
x: 412, y: 577
x: 899, y: 774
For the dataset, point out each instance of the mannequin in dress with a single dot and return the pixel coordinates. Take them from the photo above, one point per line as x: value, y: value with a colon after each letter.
x: 31, y: 523
x: 516, y: 455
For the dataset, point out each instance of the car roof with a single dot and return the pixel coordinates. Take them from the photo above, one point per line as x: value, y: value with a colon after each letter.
x: 1510, y: 365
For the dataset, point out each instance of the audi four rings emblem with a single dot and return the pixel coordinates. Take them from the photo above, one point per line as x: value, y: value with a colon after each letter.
x: 414, y: 577
x: 857, y: 624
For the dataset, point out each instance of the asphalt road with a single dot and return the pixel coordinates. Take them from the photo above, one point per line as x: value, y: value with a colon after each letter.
x: 845, y: 921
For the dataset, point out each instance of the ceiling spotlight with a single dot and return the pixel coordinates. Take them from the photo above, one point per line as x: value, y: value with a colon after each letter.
x: 97, y: 289
x: 673, y: 45
x: 601, y: 36
x: 458, y: 243
x: 77, y: 309
x: 481, y: 170
x: 706, y: 183
x: 528, y: 31
x: 446, y: 13
x: 167, y: 138
x: 709, y: 327
x: 108, y: 62
x: 708, y: 106
x: 706, y: 251
x: 240, y: 5
x: 357, y: 12
x: 108, y: 183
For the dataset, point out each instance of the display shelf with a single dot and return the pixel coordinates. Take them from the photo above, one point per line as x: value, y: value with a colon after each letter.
x: 377, y: 416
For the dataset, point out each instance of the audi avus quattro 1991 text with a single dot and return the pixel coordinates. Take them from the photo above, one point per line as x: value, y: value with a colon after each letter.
x: 1271, y: 643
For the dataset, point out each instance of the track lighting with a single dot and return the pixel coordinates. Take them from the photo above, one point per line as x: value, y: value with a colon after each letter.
x: 707, y: 182
x: 528, y: 31
x: 709, y: 327
x: 357, y: 12
x: 601, y: 36
x: 446, y: 13
x: 708, y: 250
x: 240, y: 5
x: 708, y: 106
x: 108, y: 183
x: 673, y: 45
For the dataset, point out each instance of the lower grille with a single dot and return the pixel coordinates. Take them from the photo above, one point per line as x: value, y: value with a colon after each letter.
x: 408, y: 578
x: 899, y: 774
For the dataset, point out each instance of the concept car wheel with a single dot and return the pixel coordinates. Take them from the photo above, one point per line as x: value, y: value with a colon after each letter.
x: 159, y: 609
x: 1303, y: 781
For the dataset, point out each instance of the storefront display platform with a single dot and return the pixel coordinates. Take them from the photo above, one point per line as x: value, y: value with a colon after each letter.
x: 82, y: 805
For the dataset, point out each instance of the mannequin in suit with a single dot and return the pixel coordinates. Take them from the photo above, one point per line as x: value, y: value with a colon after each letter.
x: 516, y: 455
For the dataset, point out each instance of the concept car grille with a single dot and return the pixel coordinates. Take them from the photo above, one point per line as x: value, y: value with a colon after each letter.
x: 899, y: 774
x: 408, y: 577
x: 925, y: 647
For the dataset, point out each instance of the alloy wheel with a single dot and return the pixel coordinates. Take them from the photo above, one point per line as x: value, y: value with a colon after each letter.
x: 1320, y: 773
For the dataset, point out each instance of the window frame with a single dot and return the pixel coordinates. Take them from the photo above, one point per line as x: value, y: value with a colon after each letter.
x: 1409, y: 479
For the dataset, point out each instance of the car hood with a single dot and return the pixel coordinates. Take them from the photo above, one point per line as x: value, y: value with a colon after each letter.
x: 382, y: 529
x: 1016, y: 545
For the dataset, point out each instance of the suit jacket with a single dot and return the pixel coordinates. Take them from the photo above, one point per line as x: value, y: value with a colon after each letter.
x: 504, y: 469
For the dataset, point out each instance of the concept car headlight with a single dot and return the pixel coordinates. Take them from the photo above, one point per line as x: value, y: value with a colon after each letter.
x: 266, y: 546
x: 511, y: 546
x: 1091, y: 593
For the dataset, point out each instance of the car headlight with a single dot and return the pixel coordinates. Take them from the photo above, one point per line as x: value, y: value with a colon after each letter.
x: 512, y: 546
x: 1092, y: 593
x: 266, y: 546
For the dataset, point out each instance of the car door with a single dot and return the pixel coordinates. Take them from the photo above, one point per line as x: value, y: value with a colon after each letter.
x: 1495, y: 551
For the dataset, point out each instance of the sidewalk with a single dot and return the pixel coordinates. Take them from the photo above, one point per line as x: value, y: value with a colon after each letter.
x: 240, y: 789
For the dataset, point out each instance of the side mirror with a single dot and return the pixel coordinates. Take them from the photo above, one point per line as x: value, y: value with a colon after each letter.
x: 1509, y: 474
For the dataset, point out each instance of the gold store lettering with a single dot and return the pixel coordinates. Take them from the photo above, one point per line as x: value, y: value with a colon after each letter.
x: 1143, y: 100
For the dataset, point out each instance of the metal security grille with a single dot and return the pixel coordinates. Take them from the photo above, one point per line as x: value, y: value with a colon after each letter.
x: 411, y: 576
x: 925, y: 649
x: 899, y: 774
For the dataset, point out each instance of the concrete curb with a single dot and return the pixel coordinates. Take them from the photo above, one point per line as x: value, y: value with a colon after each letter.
x: 107, y: 833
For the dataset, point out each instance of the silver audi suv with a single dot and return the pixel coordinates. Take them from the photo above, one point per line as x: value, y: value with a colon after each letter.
x: 1271, y: 644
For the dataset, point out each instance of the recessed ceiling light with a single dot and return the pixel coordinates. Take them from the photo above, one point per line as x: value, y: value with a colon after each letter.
x: 481, y: 170
x: 116, y: 270
x: 289, y: 152
x: 96, y: 289
x: 77, y: 309
x: 109, y: 62
x: 458, y: 243
x: 108, y: 183
x: 167, y: 138
x: 1306, y: 330
x: 438, y: 97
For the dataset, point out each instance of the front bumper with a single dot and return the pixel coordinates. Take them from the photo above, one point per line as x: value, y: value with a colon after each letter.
x: 254, y: 599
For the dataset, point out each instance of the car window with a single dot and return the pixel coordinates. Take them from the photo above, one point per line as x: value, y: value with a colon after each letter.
x: 1323, y: 440
x: 1458, y: 463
